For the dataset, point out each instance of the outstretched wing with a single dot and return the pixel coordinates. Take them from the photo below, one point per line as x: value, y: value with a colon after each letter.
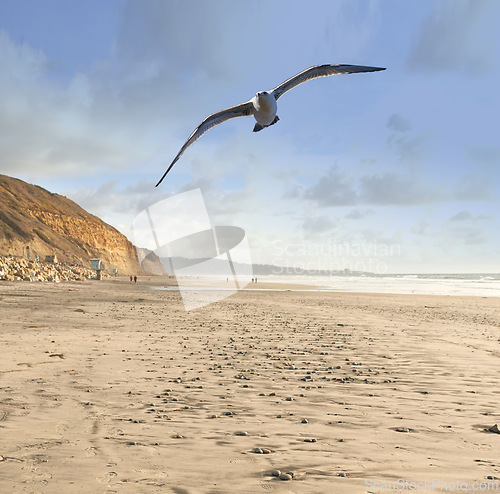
x: 319, y: 71
x: 243, y: 110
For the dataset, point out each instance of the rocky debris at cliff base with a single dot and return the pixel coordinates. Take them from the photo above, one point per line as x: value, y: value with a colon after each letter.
x: 21, y: 269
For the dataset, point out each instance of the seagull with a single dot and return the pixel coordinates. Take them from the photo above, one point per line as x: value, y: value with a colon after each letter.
x: 263, y: 106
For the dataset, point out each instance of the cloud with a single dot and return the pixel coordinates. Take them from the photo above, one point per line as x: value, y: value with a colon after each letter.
x: 184, y: 43
x: 49, y: 130
x: 475, y: 187
x: 453, y: 37
x: 462, y: 216
x: 467, y: 235
x: 334, y: 189
x: 337, y: 188
x: 410, y: 148
x: 393, y: 188
x: 421, y: 228
x: 317, y: 224
x: 468, y: 216
x: 357, y: 214
x: 467, y: 228
x: 484, y: 155
x: 398, y: 123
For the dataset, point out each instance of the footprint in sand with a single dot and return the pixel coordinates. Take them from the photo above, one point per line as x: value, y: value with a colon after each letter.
x: 91, y: 451
x: 108, y: 477
x: 244, y: 459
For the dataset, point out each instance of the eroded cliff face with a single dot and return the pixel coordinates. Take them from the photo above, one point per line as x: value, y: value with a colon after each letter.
x: 50, y: 224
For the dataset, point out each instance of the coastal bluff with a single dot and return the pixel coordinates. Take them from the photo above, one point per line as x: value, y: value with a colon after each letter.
x: 35, y: 222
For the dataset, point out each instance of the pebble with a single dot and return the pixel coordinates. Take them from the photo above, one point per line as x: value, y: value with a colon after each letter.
x: 495, y: 429
x: 241, y: 433
x: 311, y: 440
x: 304, y: 421
x: 262, y: 451
x: 342, y: 474
x: 285, y: 476
x: 275, y: 473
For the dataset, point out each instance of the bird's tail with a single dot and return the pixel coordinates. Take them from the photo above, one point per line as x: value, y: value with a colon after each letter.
x: 258, y: 127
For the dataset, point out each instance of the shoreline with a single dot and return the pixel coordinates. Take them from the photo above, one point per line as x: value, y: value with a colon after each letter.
x: 158, y: 282
x: 453, y: 287
x: 107, y: 386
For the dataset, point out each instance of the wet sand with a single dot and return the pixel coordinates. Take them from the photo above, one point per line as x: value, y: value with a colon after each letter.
x: 113, y: 387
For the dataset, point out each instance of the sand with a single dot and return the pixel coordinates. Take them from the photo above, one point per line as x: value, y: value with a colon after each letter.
x: 113, y: 387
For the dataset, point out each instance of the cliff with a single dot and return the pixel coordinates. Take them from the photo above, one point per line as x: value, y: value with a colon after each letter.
x: 51, y: 224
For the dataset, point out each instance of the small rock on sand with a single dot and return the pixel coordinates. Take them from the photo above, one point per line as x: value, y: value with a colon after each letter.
x: 494, y: 428
x: 262, y: 451
x: 402, y: 429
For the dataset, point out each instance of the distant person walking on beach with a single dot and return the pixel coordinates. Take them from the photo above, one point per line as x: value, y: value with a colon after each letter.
x: 135, y: 279
x: 131, y: 278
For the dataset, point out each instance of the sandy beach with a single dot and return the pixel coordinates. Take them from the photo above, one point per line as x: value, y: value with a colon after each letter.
x: 112, y: 387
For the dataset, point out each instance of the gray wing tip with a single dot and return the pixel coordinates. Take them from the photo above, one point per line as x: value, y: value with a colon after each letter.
x: 168, y: 169
x: 373, y: 69
x: 366, y: 67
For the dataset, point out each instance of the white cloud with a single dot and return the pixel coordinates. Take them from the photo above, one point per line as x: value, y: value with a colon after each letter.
x: 49, y: 130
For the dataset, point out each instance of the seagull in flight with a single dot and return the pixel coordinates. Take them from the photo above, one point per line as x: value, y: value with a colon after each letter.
x: 263, y: 105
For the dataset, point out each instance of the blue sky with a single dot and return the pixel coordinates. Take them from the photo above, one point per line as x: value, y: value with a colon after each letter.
x: 394, y: 171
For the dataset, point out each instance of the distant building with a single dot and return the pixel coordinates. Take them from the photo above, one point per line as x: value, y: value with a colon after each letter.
x: 52, y: 258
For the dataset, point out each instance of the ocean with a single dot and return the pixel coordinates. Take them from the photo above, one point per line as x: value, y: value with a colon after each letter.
x: 479, y: 285
x: 473, y: 285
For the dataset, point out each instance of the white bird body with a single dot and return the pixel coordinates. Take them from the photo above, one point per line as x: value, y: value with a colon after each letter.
x: 263, y: 106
